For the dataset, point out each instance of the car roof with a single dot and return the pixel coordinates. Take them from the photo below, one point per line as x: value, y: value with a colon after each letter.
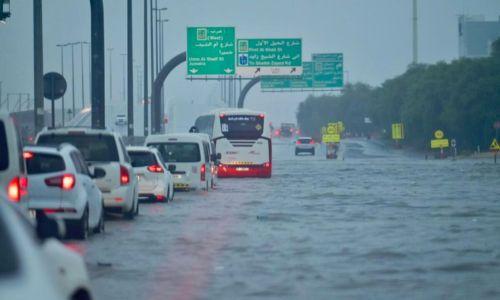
x: 53, y: 149
x: 86, y: 130
x: 179, y: 137
x: 139, y: 148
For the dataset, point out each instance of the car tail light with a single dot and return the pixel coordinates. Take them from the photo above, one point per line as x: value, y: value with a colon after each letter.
x: 299, y: 142
x: 203, y: 170
x: 311, y: 142
x: 267, y: 165
x: 17, y: 188
x: 155, y: 169
x: 124, y: 176
x: 65, y: 182
x: 160, y: 198
x: 28, y: 155
x: 261, y: 116
x: 221, y: 116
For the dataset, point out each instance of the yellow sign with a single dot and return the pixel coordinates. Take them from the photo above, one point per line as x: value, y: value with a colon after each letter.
x: 335, y: 128
x: 331, y: 138
x: 331, y: 129
x: 398, y: 132
x: 439, y: 134
x: 440, y: 143
x: 494, y: 145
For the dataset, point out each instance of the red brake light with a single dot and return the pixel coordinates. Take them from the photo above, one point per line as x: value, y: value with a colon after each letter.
x: 28, y: 155
x: 155, y: 169
x: 203, y: 170
x: 14, y: 190
x: 221, y: 116
x: 124, y: 176
x: 261, y: 116
x: 267, y: 165
x: 65, y: 182
x: 311, y: 142
x: 299, y: 142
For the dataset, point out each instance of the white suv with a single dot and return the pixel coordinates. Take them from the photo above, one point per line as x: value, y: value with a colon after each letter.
x: 155, y: 180
x: 103, y: 149
x: 305, y: 144
x: 34, y: 264
x: 61, y: 185
x: 13, y: 181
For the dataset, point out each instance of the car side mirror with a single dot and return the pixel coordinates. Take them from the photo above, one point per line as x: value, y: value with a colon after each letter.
x: 49, y: 227
x: 98, y: 173
x: 172, y: 168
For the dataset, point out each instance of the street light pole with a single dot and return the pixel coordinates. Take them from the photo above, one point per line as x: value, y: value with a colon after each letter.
x: 124, y: 63
x: 146, y: 119
x: 38, y: 65
x: 73, y: 77
x: 83, y: 81
x: 61, y: 46
x: 110, y: 50
x: 130, y: 79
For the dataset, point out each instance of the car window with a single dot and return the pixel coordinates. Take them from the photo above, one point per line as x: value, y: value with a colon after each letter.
x: 142, y: 158
x: 94, y: 147
x: 126, y: 157
x: 9, y: 263
x: 76, y: 162
x: 4, y: 150
x: 304, y: 141
x: 83, y: 163
x: 178, y: 152
x: 41, y: 163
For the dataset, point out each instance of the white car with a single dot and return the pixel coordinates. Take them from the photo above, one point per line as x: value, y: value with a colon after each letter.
x: 13, y: 180
x: 305, y: 144
x: 103, y: 149
x: 187, y: 153
x: 209, y: 148
x: 155, y: 180
x: 37, y: 267
x: 61, y: 185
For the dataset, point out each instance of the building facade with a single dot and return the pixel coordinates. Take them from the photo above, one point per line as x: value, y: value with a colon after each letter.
x: 475, y: 36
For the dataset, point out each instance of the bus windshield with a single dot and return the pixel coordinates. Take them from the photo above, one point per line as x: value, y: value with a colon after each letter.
x: 242, y: 126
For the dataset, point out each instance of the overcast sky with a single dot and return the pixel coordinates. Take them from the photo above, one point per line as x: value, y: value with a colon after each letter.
x: 374, y: 35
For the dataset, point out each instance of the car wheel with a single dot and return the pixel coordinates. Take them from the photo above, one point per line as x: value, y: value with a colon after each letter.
x: 81, y: 229
x: 296, y: 152
x: 100, y: 227
x: 137, y: 207
x: 173, y: 194
x: 130, y: 215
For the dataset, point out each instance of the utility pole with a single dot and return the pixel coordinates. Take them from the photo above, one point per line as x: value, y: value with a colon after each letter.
x: 146, y: 111
x: 130, y: 79
x: 1, y: 94
x: 61, y: 46
x: 38, y: 64
x: 110, y: 51
x: 98, y: 71
x: 415, y: 32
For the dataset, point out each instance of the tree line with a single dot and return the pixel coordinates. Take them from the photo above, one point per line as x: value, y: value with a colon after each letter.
x: 462, y: 98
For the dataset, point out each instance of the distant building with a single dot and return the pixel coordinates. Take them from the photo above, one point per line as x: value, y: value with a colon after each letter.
x: 475, y: 36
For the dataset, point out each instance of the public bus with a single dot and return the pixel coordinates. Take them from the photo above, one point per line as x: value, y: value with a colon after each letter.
x: 242, y: 139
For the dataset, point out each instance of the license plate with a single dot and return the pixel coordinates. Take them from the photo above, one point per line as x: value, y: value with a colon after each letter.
x: 242, y: 169
x: 177, y: 176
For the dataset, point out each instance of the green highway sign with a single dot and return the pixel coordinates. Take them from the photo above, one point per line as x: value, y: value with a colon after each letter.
x: 260, y: 57
x: 325, y: 71
x: 289, y: 82
x: 328, y: 70
x: 210, y: 51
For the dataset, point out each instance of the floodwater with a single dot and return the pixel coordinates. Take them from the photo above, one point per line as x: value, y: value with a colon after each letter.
x: 375, y: 224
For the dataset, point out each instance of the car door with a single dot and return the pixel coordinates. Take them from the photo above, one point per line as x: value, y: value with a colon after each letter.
x: 83, y: 175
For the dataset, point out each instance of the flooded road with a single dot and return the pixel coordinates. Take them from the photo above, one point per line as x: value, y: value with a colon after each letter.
x: 375, y: 224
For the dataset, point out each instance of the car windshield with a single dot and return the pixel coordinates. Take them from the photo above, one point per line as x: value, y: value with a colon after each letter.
x: 178, y: 152
x: 4, y: 150
x: 142, y: 158
x: 40, y: 163
x: 94, y: 147
x: 303, y: 141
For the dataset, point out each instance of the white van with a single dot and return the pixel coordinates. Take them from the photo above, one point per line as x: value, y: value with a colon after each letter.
x: 190, y: 154
x: 13, y: 179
